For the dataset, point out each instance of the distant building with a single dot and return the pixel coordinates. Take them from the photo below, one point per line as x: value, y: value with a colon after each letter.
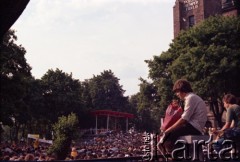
x: 187, y: 13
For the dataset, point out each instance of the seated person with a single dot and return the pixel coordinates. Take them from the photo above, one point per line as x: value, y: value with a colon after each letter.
x: 231, y: 129
x: 173, y: 113
x: 192, y: 120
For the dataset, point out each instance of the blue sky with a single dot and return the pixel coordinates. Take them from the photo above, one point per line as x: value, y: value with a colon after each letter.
x: 86, y: 37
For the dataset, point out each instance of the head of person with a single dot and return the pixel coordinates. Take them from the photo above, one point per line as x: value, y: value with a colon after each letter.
x: 228, y: 100
x: 181, y: 88
x: 29, y: 157
x: 175, y: 103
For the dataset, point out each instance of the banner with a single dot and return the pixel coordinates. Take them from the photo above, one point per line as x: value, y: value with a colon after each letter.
x: 36, y: 136
x: 33, y: 136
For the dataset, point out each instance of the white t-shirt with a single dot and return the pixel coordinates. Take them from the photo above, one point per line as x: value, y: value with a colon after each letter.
x: 195, y: 111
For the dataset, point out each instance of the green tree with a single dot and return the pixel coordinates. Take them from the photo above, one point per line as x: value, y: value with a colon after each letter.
x: 106, y: 92
x: 15, y: 73
x: 62, y: 94
x: 147, y: 106
x: 86, y: 96
x: 208, y: 55
x: 39, y: 122
x: 162, y: 81
x: 133, y: 109
x: 64, y: 132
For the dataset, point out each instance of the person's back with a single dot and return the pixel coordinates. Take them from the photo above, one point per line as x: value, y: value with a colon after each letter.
x: 195, y: 111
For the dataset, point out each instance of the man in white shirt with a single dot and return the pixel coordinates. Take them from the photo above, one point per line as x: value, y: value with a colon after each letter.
x: 193, y: 118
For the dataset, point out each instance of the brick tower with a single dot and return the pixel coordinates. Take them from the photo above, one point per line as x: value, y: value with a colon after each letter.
x: 187, y: 13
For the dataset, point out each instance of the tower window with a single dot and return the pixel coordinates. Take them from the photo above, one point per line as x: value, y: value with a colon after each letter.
x: 191, y: 21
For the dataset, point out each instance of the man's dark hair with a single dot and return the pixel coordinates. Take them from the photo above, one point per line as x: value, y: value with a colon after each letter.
x: 182, y: 85
x: 229, y: 99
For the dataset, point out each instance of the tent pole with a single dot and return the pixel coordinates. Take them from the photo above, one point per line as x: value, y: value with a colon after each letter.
x: 96, y: 125
x: 107, y: 122
x: 115, y: 123
x: 126, y: 124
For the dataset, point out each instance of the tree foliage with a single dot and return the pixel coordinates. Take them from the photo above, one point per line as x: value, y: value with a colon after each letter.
x: 15, y: 73
x: 208, y: 55
x: 147, y: 104
x: 64, y: 131
x: 106, y: 92
x: 62, y: 94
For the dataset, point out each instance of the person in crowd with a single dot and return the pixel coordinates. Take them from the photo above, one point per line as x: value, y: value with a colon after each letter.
x: 231, y: 128
x: 173, y: 113
x: 74, y: 153
x: 192, y: 120
x: 36, y: 143
x: 29, y: 157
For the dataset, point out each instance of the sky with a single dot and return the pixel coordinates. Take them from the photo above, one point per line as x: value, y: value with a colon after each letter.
x: 86, y: 37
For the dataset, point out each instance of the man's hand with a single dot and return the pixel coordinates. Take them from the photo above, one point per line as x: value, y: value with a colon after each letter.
x: 176, y: 125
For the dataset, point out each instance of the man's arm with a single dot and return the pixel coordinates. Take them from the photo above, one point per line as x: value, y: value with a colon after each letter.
x: 229, y: 119
x: 176, y: 125
x: 226, y: 126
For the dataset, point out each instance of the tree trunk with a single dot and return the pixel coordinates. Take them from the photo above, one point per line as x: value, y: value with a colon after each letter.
x: 15, y: 135
x: 217, y: 110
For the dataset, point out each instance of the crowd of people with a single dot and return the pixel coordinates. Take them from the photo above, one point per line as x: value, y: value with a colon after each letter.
x: 103, y: 146
x: 109, y: 145
x: 24, y: 151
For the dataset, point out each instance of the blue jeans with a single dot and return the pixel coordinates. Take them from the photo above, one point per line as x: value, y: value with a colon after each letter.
x: 217, y: 146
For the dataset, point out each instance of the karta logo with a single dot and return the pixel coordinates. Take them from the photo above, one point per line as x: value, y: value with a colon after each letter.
x: 153, y: 149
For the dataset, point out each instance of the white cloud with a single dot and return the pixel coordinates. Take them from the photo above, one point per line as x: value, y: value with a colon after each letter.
x: 86, y: 37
